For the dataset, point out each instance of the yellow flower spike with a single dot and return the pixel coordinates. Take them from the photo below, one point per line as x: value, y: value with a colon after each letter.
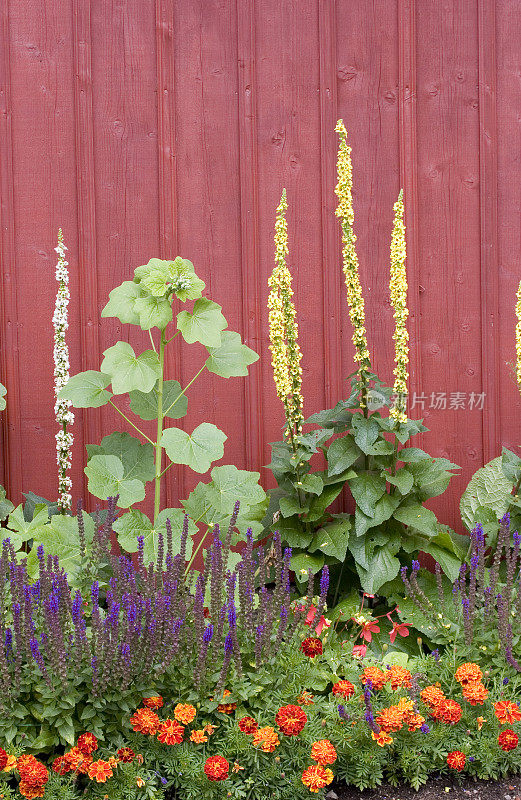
x: 398, y: 292
x: 350, y: 267
x: 285, y: 350
x: 518, y: 337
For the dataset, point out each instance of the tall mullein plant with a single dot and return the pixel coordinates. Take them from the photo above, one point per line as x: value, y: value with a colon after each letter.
x: 398, y: 294
x: 350, y: 265
x: 62, y: 408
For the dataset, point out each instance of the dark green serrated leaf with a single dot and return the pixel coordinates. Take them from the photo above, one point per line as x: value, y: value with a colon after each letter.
x: 341, y: 454
x: 175, y: 404
x: 367, y: 489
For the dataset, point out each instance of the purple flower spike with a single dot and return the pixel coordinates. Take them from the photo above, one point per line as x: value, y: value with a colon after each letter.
x: 207, y: 635
x: 415, y: 566
x: 425, y: 728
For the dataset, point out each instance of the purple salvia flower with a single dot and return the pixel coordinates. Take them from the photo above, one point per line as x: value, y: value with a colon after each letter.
x: 425, y: 728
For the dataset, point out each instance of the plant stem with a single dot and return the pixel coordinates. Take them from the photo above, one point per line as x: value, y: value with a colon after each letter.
x: 172, y: 337
x: 201, y: 542
x: 152, y: 340
x: 184, y: 390
x: 130, y: 422
x: 160, y: 415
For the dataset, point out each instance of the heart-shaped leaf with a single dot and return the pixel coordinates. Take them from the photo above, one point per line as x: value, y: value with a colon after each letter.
x: 198, y: 449
x: 128, y: 371
x: 87, y: 389
x: 20, y: 530
x: 3, y: 392
x: 204, y: 324
x: 60, y: 537
x: 414, y: 515
x: 332, y: 539
x: 122, y: 301
x: 175, y: 404
x: 133, y: 524
x: 106, y: 479
x: 367, y: 489
x: 231, y: 358
x: 154, y: 312
x: 137, y: 458
x: 341, y: 454
x: 5, y: 505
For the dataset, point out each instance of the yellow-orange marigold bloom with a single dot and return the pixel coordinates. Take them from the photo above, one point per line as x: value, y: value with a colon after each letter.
x: 390, y: 719
x: 154, y: 702
x: 456, y: 760
x: 382, y: 738
x: 399, y: 676
x: 323, y: 752
x: 377, y: 677
x: 11, y: 763
x: 306, y: 699
x: 507, y: 712
x: 413, y: 721
x: 475, y: 693
x: 226, y: 708
x: 185, y: 713
x: 170, y: 732
x: 468, y: 673
x: 209, y: 728
x: 145, y: 721
x: 140, y: 782
x: 266, y: 739
x: 480, y: 721
x: 198, y: 737
x: 432, y: 696
x: 316, y: 777
x: 100, y: 770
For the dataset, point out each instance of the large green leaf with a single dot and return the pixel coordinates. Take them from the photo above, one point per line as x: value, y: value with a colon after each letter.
x: 137, y: 458
x: 106, y: 479
x: 430, y: 477
x: 20, y: 530
x: 159, y: 276
x: 341, y: 454
x: 511, y: 465
x: 204, y: 324
x: 367, y: 489
x: 60, y: 537
x: 318, y: 505
x: 383, y: 510
x: 303, y: 563
x: 488, y: 487
x: 128, y: 371
x: 3, y: 392
x: 133, y: 524
x: 414, y: 515
x: 175, y: 404
x: 365, y: 431
x: 87, y: 389
x: 448, y: 551
x: 402, y: 479
x: 154, y: 312
x: 332, y: 538
x: 197, y: 450
x: 122, y: 301
x: 383, y: 567
x: 5, y: 505
x: 292, y: 532
x: 231, y: 358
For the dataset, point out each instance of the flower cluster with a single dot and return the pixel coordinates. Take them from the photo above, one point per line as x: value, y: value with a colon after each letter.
x: 469, y: 676
x: 283, y: 327
x: 62, y: 408
x: 398, y: 292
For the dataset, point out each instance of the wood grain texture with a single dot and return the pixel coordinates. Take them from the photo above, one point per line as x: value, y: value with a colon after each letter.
x: 156, y: 127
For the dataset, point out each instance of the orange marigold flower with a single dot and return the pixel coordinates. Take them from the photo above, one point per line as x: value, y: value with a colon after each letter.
x: 382, y: 738
x: 468, y: 673
x: 399, y: 676
x: 247, y: 725
x: 237, y: 767
x: 323, y: 752
x: 11, y: 763
x: 405, y: 704
x: 506, y: 711
x: 266, y: 739
x: 432, y: 696
x: 87, y: 743
x: 209, y: 728
x: 185, y: 713
x: 306, y: 699
x: 508, y: 740
x: 413, y: 721
x: 291, y: 720
x: 140, y: 782
x: 154, y: 702
x: 100, y: 770
x: 316, y: 777
x: 226, y: 708
x: 198, y: 737
x: 390, y: 719
x: 126, y: 755
x: 74, y: 758
x: 448, y: 711
x: 31, y: 790
x: 83, y: 766
x: 343, y: 689
x: 480, y: 721
x: 456, y: 760
x: 31, y: 770
x: 312, y: 646
x: 60, y: 765
x: 145, y: 721
x: 377, y: 677
x: 170, y: 732
x: 216, y: 768
x: 475, y: 693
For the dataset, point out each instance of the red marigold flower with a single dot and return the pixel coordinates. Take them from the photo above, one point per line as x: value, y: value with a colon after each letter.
x: 447, y: 711
x: 100, y: 770
x: 185, y: 713
x: 3, y: 759
x: 468, y: 673
x: 87, y: 743
x: 474, y: 693
x: 343, y: 689
x: 145, y: 721
x: 216, y: 768
x: 323, y: 752
x: 377, y: 677
x: 506, y: 711
x: 456, y: 760
x: 170, y: 732
x: 31, y: 790
x: 312, y: 647
x: 508, y: 740
x: 60, y: 765
x: 154, y: 702
x: 31, y: 770
x: 126, y: 755
x: 247, y: 725
x: 76, y: 760
x: 316, y: 777
x: 291, y: 720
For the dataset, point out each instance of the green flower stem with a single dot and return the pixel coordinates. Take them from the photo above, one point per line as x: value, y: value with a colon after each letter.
x: 184, y: 390
x: 203, y: 538
x: 173, y: 337
x: 158, y: 446
x: 130, y: 422
x: 152, y: 340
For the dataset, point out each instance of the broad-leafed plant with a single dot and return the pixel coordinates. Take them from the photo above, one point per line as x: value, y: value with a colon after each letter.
x: 122, y: 464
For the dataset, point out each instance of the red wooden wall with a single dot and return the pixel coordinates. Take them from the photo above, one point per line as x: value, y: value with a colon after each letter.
x: 158, y: 127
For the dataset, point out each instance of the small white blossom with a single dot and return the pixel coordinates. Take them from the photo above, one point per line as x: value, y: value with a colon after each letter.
x: 64, y: 415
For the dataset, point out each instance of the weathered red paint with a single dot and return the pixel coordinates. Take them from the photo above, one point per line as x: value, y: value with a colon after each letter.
x: 155, y: 127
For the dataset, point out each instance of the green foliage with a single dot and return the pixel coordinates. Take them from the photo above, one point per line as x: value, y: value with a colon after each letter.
x: 5, y: 505
x: 123, y: 464
x: 3, y: 392
x: 388, y: 483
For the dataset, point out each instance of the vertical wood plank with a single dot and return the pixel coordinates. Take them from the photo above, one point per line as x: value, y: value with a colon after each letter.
x: 249, y: 217
x: 11, y: 419
x: 330, y: 227
x: 407, y: 95
x: 90, y: 310
x: 488, y: 197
